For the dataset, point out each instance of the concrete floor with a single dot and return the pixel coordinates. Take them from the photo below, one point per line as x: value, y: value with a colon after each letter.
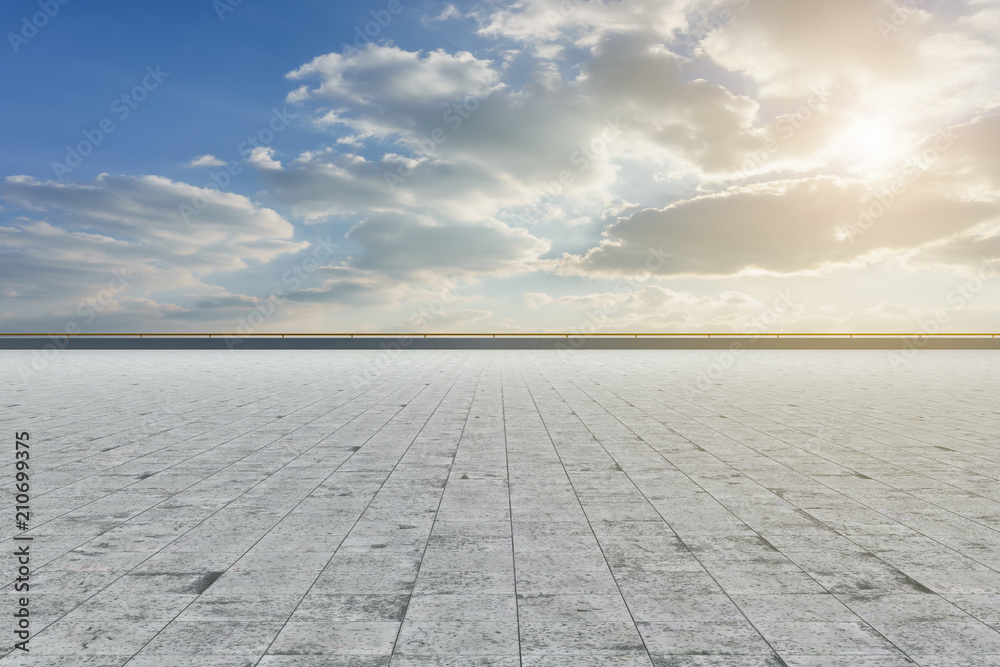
x: 464, y: 508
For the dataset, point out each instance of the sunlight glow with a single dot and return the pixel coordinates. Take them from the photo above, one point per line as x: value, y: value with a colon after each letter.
x: 871, y: 143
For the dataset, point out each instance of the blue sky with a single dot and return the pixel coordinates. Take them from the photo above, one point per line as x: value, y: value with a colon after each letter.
x: 538, y: 165
x: 225, y: 75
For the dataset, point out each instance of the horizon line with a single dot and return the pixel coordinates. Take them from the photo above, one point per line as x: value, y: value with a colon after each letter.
x: 493, y: 335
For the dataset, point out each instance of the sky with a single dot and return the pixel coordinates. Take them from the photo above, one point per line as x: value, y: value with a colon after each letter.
x: 645, y: 166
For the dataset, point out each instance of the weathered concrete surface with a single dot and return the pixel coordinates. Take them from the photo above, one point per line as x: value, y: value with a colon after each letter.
x: 307, y: 508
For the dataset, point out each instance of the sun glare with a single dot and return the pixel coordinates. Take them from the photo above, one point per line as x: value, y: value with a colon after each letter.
x: 872, y: 143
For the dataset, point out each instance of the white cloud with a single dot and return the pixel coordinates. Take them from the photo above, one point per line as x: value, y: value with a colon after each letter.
x: 449, y: 12
x: 80, y: 236
x: 143, y: 212
x: 743, y: 138
x: 888, y: 58
x: 548, y: 25
x: 404, y: 246
x: 784, y: 228
x: 206, y: 160
x: 263, y: 157
x: 385, y: 87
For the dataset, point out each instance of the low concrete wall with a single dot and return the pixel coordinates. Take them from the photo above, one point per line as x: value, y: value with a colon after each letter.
x: 519, y: 343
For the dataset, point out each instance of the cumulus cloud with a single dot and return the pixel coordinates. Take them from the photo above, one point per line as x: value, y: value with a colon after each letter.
x: 263, y: 157
x: 452, y: 112
x: 786, y: 227
x: 75, y: 238
x: 375, y: 304
x: 402, y: 246
x: 789, y: 47
x: 348, y: 287
x: 571, y: 139
x: 702, y: 123
x: 381, y: 89
x: 503, y: 151
x: 506, y: 154
x: 943, y: 195
x: 449, y: 12
x: 402, y: 258
x: 206, y: 160
x: 547, y: 25
x: 888, y: 57
x: 144, y: 213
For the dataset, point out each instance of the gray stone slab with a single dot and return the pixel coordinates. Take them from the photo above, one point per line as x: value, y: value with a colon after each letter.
x: 473, y: 638
x: 477, y: 508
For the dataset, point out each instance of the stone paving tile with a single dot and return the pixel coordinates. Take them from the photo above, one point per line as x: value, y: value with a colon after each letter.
x: 458, y: 608
x: 135, y: 608
x: 268, y: 608
x: 317, y: 607
x: 572, y: 609
x: 27, y: 660
x: 738, y: 638
x: 474, y: 638
x: 637, y: 659
x: 93, y: 637
x: 336, y: 638
x: 324, y: 661
x: 716, y: 661
x: 477, y: 509
x: 588, y: 637
x: 231, y: 639
x: 824, y: 638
